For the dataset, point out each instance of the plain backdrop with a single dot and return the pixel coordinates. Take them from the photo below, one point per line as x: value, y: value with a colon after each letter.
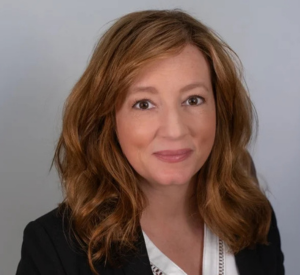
x: 44, y: 48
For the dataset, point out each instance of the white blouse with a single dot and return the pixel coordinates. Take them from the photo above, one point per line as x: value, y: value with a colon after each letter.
x: 217, y: 260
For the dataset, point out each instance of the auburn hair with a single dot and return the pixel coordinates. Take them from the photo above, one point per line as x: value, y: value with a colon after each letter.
x: 101, y: 189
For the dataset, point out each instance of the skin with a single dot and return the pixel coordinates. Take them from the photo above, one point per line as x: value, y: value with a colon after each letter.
x: 170, y: 106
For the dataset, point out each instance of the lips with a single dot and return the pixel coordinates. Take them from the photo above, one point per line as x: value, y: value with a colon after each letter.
x: 173, y: 155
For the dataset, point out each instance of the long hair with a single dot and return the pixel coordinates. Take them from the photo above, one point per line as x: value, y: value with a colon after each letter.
x: 101, y: 189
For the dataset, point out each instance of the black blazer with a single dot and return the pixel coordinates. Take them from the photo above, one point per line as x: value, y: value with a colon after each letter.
x: 46, y: 250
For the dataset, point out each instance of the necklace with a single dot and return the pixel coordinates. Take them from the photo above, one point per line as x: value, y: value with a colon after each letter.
x: 221, y: 258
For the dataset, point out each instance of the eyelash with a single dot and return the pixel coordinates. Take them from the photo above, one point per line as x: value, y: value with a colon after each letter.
x: 145, y: 99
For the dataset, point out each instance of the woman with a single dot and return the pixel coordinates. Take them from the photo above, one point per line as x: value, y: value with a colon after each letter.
x: 154, y: 163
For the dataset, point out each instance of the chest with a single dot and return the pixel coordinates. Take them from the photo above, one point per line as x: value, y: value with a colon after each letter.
x: 205, y: 256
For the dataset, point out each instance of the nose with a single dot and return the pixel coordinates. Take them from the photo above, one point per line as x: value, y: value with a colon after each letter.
x: 173, y: 124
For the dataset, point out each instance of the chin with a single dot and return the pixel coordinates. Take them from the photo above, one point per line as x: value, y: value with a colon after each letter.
x: 166, y: 180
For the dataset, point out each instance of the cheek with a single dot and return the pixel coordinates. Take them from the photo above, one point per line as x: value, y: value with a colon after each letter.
x: 206, y: 131
x: 134, y: 135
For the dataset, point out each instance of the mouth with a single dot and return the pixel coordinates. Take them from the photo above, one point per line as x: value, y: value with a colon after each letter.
x: 173, y: 156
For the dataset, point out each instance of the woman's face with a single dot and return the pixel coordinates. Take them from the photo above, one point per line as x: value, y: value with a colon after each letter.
x: 166, y: 125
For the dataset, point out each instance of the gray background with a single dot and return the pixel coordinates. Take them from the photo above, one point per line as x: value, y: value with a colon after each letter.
x: 44, y: 48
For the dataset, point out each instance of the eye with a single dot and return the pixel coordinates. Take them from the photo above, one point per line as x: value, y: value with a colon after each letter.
x: 143, y: 104
x: 194, y: 100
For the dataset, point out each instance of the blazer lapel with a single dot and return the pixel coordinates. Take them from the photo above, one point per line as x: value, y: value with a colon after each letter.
x: 138, y: 263
x: 248, y: 263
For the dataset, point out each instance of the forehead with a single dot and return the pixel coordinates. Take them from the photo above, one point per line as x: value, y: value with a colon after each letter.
x: 187, y: 68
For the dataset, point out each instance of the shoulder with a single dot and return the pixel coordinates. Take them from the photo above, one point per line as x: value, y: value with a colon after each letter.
x: 53, y: 223
x: 271, y: 254
x: 48, y: 228
x: 48, y: 222
x: 48, y: 249
x: 264, y: 259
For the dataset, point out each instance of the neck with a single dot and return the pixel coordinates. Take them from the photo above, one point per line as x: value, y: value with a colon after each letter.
x: 174, y: 204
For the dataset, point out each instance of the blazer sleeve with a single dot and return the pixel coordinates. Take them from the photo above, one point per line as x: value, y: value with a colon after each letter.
x: 38, y: 254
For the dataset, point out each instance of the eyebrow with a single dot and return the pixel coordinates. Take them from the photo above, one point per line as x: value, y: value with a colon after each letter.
x: 153, y: 90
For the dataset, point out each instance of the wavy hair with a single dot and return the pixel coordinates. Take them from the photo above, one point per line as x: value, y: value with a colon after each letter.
x: 101, y: 189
